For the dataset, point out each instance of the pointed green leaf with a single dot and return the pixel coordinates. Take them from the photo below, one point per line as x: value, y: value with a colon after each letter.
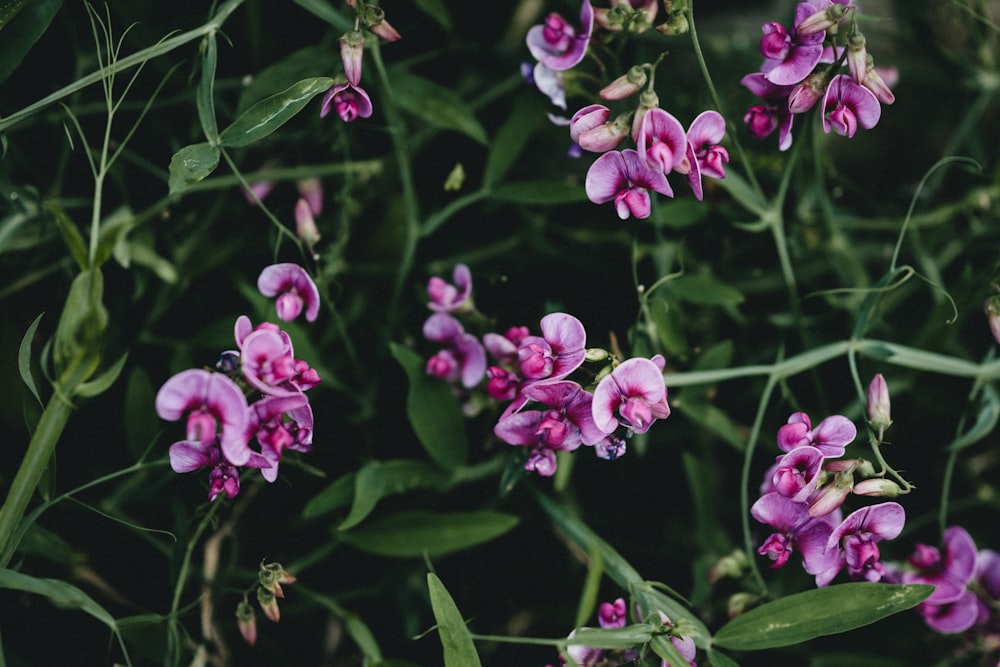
x: 333, y: 497
x: 80, y: 331
x: 24, y: 359
x: 205, y: 98
x: 271, y: 113
x: 24, y: 25
x: 411, y: 534
x: 191, y: 164
x: 71, y: 235
x: 60, y: 593
x: 986, y: 421
x: 436, y: 105
x: 369, y: 487
x: 437, y: 11
x: 433, y: 411
x: 629, y: 636
x: 815, y: 613
x: 102, y: 382
x: 705, y: 290
x: 377, y: 479
x: 459, y: 650
x: 526, y: 114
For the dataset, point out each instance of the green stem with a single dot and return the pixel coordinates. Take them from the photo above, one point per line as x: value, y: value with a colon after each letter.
x: 36, y: 460
x: 758, y: 423
x: 186, y: 563
x: 133, y: 60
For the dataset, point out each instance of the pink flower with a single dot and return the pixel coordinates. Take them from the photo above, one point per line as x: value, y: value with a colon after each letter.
x: 349, y: 100
x: 847, y: 105
x: 662, y: 144
x: 763, y: 119
x: 450, y: 298
x: 463, y: 357
x: 624, y: 178
x: 612, y: 614
x: 557, y: 352
x: 857, y: 536
x: 797, y: 472
x: 633, y: 394
x: 558, y: 45
x: 950, y: 571
x: 790, y: 57
x: 704, y: 155
x: 276, y: 433
x: 293, y: 287
x: 831, y: 436
x: 794, y: 530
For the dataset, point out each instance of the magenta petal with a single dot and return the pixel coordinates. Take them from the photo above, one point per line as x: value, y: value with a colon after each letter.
x: 662, y: 144
x: 833, y: 434
x: 883, y: 521
x: 216, y: 393
x: 519, y: 428
x: 442, y: 328
x: 188, y: 456
x: 639, y: 174
x: 779, y: 512
x: 606, y: 177
x: 292, y: 279
x: 952, y: 617
x: 567, y: 337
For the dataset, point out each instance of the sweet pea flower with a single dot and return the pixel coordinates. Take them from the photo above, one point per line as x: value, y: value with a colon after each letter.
x: 950, y: 570
x: 557, y: 352
x: 623, y: 177
x: 275, y: 433
x: 558, y: 45
x: 763, y: 119
x: 796, y: 473
x: 662, y: 144
x: 831, y: 436
x: 293, y: 287
x: 612, y: 614
x: 846, y: 105
x: 349, y: 100
x: 450, y: 298
x: 794, y: 530
x: 857, y: 536
x: 704, y: 155
x: 462, y: 359
x: 790, y: 57
x: 633, y: 394
x: 548, y: 81
x: 216, y: 408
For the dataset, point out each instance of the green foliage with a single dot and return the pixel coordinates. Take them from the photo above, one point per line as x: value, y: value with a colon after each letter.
x: 269, y: 114
x: 459, y: 651
x: 191, y: 164
x: 417, y: 533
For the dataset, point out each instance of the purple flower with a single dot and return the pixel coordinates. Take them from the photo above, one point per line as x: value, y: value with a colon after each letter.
x: 267, y: 362
x: 548, y: 81
x: 847, y: 105
x: 557, y: 352
x: 216, y: 408
x: 293, y: 287
x: 267, y: 422
x: 796, y: 473
x: 558, y: 45
x: 349, y: 100
x: 790, y: 57
x: 622, y: 177
x: 448, y: 298
x: 704, y: 155
x: 830, y: 436
x: 763, y: 119
x: 462, y: 359
x: 633, y: 394
x: 662, y: 144
x: 949, y: 571
x: 612, y: 614
x: 794, y: 530
x: 589, y: 129
x: 859, y: 533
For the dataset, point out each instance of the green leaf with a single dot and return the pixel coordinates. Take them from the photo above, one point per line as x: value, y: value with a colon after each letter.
x: 205, y: 98
x: 705, y: 290
x: 333, y: 497
x: 629, y: 636
x: 269, y: 114
x: 434, y: 412
x: 681, y: 213
x: 191, y: 164
x: 437, y: 11
x: 411, y: 534
x: 459, y: 650
x: 71, y: 235
x: 741, y: 191
x: 24, y: 23
x: 140, y: 420
x: 823, y: 611
x: 434, y: 104
x: 540, y: 192
x: 102, y: 382
x: 376, y: 480
x: 24, y: 359
x: 714, y: 419
x: 301, y: 64
x: 322, y: 10
x: 525, y: 115
x: 717, y: 356
x: 717, y: 659
x: 986, y: 421
x: 60, y: 593
x: 80, y: 331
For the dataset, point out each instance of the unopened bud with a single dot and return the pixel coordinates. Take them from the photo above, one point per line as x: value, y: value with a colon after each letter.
x: 857, y: 57
x: 605, y: 137
x: 676, y: 24
x: 878, y: 405
x: 374, y: 19
x: 305, y: 225
x: 352, y: 49
x: 271, y: 577
x: 597, y: 354
x: 648, y: 100
x: 739, y: 603
x: 728, y: 567
x: 246, y: 621
x: 805, y: 95
x: 269, y: 604
x: 992, y: 308
x: 832, y: 496
x: 877, y: 486
x: 627, y: 84
x: 824, y: 20
x: 880, y: 80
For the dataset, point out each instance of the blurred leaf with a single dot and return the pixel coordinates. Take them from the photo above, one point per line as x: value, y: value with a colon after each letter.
x: 663, y: 647
x: 80, y: 331
x: 302, y: 64
x: 438, y: 106
x: 629, y: 636
x: 24, y: 25
x: 60, y: 593
x: 459, y: 649
x: 680, y: 213
x: 669, y: 325
x: 333, y: 497
x: 437, y: 11
x: 376, y: 480
x: 102, y: 382
x: 411, y: 534
x: 140, y: 420
x: 322, y: 9
x: 741, y: 191
x: 986, y: 420
x: 205, y: 97
x: 49, y: 545
x: 269, y: 114
x: 539, y: 192
x: 717, y: 356
x: 71, y: 235
x: 711, y: 417
x: 113, y: 228
x: 705, y: 291
x: 24, y: 358
x: 815, y: 613
x: 191, y: 164
x: 525, y: 115
x: 434, y: 412
x: 355, y: 627
x: 717, y: 659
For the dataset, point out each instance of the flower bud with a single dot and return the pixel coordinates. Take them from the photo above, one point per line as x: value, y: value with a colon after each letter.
x: 311, y: 189
x: 271, y: 577
x: 876, y: 82
x: 605, y: 137
x: 676, y: 24
x: 374, y: 19
x: 878, y: 405
x: 648, y: 100
x: 627, y: 84
x: 992, y: 308
x: 832, y: 496
x: 805, y: 95
x: 305, y: 225
x: 587, y: 118
x: 246, y: 621
x: 728, y: 567
x: 597, y: 354
x: 877, y: 486
x: 857, y: 57
x: 352, y: 49
x: 269, y: 604
x: 738, y: 603
x: 824, y: 20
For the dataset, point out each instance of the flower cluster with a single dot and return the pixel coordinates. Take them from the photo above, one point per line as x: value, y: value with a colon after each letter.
x: 270, y: 577
x: 614, y: 615
x: 546, y: 412
x: 348, y: 98
x: 802, y: 495
x: 801, y: 67
x: 255, y: 392
x: 662, y: 146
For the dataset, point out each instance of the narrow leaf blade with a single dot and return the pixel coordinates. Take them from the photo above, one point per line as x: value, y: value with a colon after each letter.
x: 459, y: 649
x: 24, y: 359
x: 412, y: 534
x: 271, y: 113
